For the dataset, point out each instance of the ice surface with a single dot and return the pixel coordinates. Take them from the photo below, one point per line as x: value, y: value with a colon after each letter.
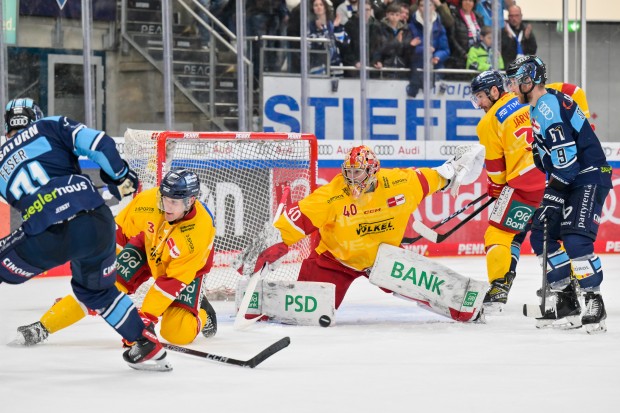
x: 383, y: 355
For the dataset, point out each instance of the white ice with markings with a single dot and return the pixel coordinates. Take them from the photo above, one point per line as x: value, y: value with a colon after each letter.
x: 382, y: 355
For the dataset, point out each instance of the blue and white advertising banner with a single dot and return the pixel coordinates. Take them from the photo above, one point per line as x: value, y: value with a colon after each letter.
x: 334, y: 109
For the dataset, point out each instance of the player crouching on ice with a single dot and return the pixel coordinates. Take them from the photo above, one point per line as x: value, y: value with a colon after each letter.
x: 361, y: 217
x: 178, y: 234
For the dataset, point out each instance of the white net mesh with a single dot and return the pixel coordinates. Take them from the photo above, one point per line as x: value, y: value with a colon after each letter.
x: 242, y: 178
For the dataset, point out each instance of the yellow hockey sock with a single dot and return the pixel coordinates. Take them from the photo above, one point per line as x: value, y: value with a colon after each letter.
x: 65, y: 312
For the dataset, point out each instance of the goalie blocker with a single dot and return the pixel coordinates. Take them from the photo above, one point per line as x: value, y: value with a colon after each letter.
x: 291, y: 302
x: 439, y: 288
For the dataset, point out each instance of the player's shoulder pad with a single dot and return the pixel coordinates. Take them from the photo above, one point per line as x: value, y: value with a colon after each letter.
x: 548, y: 106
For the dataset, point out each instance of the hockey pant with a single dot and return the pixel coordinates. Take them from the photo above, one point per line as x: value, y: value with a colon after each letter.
x: 508, y: 224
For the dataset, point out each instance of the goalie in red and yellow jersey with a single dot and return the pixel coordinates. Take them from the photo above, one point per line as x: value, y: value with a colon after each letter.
x: 506, y: 133
x: 361, y: 208
x: 163, y: 233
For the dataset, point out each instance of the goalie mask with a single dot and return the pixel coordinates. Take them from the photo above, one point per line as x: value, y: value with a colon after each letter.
x: 359, y: 170
x: 180, y: 184
x: 19, y: 113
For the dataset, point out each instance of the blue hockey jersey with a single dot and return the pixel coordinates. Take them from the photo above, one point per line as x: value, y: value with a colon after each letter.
x: 569, y: 150
x: 40, y: 174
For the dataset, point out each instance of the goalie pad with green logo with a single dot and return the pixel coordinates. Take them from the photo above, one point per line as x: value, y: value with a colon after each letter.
x: 291, y: 302
x: 433, y: 285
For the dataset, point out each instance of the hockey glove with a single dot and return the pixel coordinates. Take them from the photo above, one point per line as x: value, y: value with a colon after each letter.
x: 124, y: 186
x: 270, y: 256
x: 494, y: 189
x: 552, y: 204
x: 463, y: 168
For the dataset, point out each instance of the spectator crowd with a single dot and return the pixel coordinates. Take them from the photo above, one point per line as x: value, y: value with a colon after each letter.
x: 461, y: 35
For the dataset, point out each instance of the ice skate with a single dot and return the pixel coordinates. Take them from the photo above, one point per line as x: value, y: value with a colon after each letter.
x: 565, y: 313
x: 147, y: 353
x: 496, y: 298
x: 210, y: 327
x: 30, y: 335
x: 594, y: 318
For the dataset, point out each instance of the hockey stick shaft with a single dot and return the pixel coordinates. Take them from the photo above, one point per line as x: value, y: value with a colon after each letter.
x: 240, y: 321
x: 437, y: 238
x: 543, y: 304
x: 251, y: 363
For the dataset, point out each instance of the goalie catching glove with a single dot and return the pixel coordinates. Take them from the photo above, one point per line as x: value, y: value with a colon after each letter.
x: 126, y: 185
x: 463, y: 168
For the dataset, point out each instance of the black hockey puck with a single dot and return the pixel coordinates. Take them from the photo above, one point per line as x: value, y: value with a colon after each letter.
x: 325, y: 321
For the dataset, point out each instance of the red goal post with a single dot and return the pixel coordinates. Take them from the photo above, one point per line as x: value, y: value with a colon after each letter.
x: 242, y: 176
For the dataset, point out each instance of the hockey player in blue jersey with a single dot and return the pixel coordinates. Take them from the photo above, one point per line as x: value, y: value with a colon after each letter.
x: 66, y: 219
x: 578, y: 181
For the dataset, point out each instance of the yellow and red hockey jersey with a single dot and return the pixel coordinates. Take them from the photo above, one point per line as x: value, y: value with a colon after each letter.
x: 353, y: 229
x: 575, y: 92
x: 506, y: 133
x: 176, y: 254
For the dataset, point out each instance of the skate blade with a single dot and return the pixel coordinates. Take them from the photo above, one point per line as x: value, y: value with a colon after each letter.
x: 567, y: 323
x: 20, y: 341
x: 493, y: 308
x: 596, y: 328
x: 152, y: 365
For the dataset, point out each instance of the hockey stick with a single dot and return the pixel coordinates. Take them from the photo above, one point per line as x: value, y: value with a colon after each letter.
x: 408, y: 240
x: 241, y: 322
x: 251, y: 363
x: 538, y: 311
x: 433, y: 236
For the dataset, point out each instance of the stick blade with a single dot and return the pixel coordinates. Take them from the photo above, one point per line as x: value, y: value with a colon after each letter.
x: 425, y: 231
x: 268, y: 352
x: 532, y: 310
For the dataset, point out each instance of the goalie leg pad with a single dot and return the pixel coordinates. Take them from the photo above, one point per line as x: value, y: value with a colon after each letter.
x: 439, y: 288
x: 299, y: 302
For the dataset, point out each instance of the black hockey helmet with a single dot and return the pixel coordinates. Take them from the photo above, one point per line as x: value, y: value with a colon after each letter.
x: 19, y: 113
x: 180, y: 184
x: 527, y: 67
x: 486, y: 80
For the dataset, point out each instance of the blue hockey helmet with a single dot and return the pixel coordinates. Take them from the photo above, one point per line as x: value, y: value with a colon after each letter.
x: 180, y: 184
x: 524, y: 68
x: 19, y: 113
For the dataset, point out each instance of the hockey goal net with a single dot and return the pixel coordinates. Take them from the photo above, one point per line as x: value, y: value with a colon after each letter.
x: 242, y: 178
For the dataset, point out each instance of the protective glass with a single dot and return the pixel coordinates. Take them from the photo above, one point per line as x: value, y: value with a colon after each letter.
x: 475, y: 101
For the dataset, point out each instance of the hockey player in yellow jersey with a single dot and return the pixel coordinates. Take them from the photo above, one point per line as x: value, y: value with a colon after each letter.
x: 506, y: 133
x: 361, y: 208
x: 575, y: 92
x: 166, y: 234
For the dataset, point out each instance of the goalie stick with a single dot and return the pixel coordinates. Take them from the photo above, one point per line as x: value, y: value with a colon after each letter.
x: 431, y: 235
x: 251, y: 363
x: 241, y: 323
